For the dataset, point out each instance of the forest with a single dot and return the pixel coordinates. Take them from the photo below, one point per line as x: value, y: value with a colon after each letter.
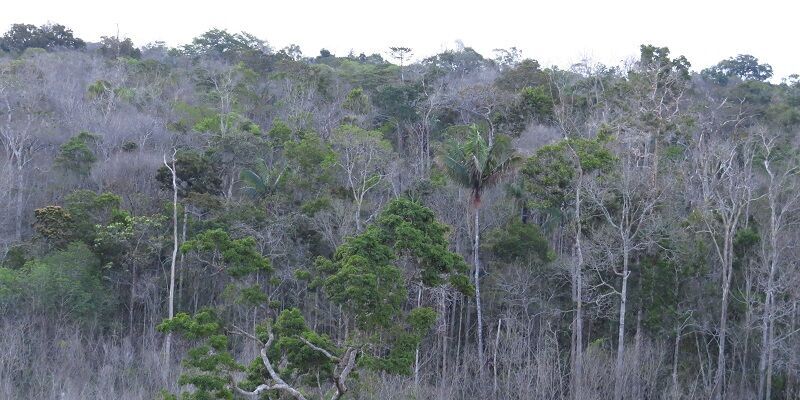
x: 228, y: 220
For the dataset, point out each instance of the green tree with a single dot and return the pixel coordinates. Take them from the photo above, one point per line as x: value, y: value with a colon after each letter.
x: 554, y: 179
x: 195, y: 174
x: 365, y: 277
x: 113, y: 47
x: 65, y: 285
x: 261, y: 181
x: 743, y: 66
x: 232, y: 47
x: 237, y: 257
x: 76, y: 155
x: 49, y: 36
x: 126, y: 246
x: 78, y: 219
x: 54, y: 224
x: 357, y: 102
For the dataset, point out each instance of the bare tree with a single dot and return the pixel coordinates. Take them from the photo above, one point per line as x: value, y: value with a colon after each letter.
x: 724, y: 178
x: 783, y: 199
x: 22, y: 114
x: 365, y: 159
x: 477, y: 100
x: 627, y: 201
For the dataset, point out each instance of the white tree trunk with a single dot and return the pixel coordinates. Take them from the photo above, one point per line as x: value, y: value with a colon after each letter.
x: 168, y: 345
x: 20, y: 202
x: 478, y: 309
x: 719, y: 376
x: 416, y: 353
x: 675, y: 355
x: 494, y: 357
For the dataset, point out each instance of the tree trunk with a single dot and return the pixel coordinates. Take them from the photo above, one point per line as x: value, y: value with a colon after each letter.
x: 791, y: 375
x: 174, y: 250
x: 180, y: 262
x: 578, y: 299
x: 764, y: 363
x: 416, y: 353
x: 768, y: 394
x: 637, y: 350
x: 619, y: 369
x: 494, y: 357
x: 446, y: 329
x: 765, y: 344
x: 20, y: 203
x: 719, y: 376
x: 132, y: 297
x: 675, y: 354
x: 478, y: 309
x: 358, y: 214
x: 748, y: 321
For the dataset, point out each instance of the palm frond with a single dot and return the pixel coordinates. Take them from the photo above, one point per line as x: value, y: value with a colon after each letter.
x: 256, y: 185
x: 475, y: 165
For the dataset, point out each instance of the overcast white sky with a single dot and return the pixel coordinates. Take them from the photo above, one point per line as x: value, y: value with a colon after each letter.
x: 554, y: 32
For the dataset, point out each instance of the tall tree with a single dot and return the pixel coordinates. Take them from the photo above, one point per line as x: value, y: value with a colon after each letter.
x: 171, y: 301
x: 24, y: 113
x: 475, y: 165
x: 627, y: 201
x: 401, y: 54
x: 555, y: 180
x: 364, y: 277
x: 723, y: 172
x: 782, y: 170
x: 365, y: 160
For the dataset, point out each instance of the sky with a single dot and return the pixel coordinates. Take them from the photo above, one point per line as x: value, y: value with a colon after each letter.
x: 555, y: 32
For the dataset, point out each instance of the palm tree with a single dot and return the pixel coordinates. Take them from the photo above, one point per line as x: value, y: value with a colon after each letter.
x: 261, y: 181
x: 476, y: 165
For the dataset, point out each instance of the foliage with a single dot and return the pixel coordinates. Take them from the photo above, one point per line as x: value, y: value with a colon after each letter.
x: 65, y: 285
x: 743, y: 66
x: 549, y: 175
x: 476, y: 165
x: 365, y: 279
x: 195, y: 173
x: 221, y: 43
x: 238, y: 257
x: 50, y: 36
x: 55, y: 224
x: 519, y: 242
x: 208, y: 366
x: 76, y: 156
x: 356, y: 102
x: 112, y: 47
